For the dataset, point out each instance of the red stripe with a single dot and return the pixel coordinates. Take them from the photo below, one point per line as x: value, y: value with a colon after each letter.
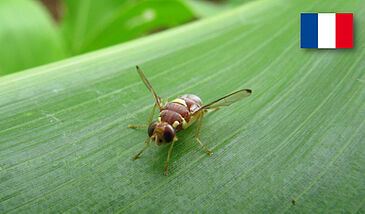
x: 344, y: 30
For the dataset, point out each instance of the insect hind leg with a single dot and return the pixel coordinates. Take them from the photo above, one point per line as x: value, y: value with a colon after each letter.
x: 197, y: 132
x: 211, y: 110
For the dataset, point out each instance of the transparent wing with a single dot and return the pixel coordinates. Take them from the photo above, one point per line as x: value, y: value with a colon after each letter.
x: 149, y: 86
x: 228, y: 99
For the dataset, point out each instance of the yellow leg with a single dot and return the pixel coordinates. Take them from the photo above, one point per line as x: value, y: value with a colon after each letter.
x: 168, y: 155
x: 197, y: 133
x: 211, y: 110
x: 148, y: 144
x: 149, y: 121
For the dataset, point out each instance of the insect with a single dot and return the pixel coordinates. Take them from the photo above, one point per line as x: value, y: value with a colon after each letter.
x: 180, y: 114
x: 293, y: 202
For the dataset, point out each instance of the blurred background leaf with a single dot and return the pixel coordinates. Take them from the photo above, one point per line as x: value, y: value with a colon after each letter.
x: 34, y: 38
x: 90, y: 25
x: 203, y: 8
x: 28, y: 36
x: 235, y: 2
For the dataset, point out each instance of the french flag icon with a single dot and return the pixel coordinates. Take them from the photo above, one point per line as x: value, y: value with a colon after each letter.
x: 326, y: 30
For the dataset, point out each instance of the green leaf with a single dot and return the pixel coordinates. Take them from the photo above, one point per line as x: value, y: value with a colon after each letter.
x: 91, y: 25
x: 236, y: 2
x: 27, y: 36
x: 204, y: 8
x: 65, y: 145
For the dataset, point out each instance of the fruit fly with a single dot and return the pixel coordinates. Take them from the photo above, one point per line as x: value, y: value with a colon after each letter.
x: 293, y: 202
x: 180, y: 114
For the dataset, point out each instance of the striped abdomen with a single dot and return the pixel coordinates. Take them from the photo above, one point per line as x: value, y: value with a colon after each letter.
x: 178, y: 112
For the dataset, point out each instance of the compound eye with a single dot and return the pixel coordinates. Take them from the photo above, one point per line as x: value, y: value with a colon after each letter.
x: 152, y: 127
x: 169, y: 133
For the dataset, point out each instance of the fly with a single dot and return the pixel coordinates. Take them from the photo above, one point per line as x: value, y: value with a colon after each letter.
x: 180, y: 114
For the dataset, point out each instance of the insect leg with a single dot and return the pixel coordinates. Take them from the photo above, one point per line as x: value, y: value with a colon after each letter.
x: 211, y: 110
x: 197, y: 133
x: 147, y: 145
x: 168, y: 155
x: 149, y: 121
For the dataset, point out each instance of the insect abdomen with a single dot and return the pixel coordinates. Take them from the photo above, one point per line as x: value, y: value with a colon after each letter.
x: 192, y: 101
x: 177, y: 113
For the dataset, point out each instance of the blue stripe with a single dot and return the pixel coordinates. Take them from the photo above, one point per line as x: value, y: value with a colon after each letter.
x: 309, y: 30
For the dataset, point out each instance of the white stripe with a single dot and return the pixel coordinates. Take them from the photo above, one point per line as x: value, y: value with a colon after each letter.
x: 326, y: 30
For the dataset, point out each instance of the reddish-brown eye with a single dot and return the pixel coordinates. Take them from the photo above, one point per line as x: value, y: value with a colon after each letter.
x: 169, y: 133
x: 152, y: 127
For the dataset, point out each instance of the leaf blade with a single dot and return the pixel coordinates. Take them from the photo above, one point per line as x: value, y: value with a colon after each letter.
x: 300, y: 128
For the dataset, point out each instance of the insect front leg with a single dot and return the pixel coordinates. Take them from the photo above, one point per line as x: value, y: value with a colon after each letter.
x: 147, y: 145
x: 168, y: 155
x: 197, y: 133
x: 149, y: 121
